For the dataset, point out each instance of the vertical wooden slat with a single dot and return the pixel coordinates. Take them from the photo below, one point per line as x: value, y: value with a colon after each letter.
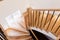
x: 55, y: 21
x: 29, y: 10
x: 48, y: 17
x: 52, y: 23
x: 44, y: 19
x: 37, y: 19
x: 47, y: 21
x: 32, y: 18
x: 35, y: 13
x: 56, y: 25
x: 41, y: 20
x: 46, y: 27
x: 58, y: 32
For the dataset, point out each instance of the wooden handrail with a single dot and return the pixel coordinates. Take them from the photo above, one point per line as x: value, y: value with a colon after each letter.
x: 7, y: 30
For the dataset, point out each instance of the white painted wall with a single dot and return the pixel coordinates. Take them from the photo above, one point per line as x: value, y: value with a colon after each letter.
x: 7, y: 7
x: 42, y: 4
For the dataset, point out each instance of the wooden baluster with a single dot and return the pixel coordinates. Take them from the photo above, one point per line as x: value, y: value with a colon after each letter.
x: 57, y: 24
x: 29, y: 10
x: 56, y: 20
x: 47, y: 25
x: 58, y: 31
x: 35, y: 16
x: 37, y: 19
x: 41, y: 19
x: 46, y: 19
x: 52, y: 22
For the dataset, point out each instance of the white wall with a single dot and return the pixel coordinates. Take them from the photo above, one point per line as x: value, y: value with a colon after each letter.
x: 42, y: 4
x: 7, y: 7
